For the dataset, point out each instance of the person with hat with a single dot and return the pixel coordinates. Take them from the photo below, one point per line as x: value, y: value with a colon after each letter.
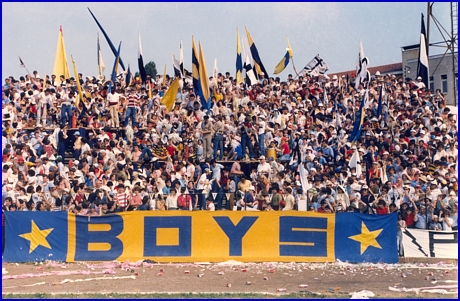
x: 246, y: 131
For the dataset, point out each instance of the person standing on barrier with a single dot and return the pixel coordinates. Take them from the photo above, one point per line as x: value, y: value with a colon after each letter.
x: 206, y: 131
x: 131, y: 111
x: 200, y: 188
x: 246, y: 130
x: 218, y: 144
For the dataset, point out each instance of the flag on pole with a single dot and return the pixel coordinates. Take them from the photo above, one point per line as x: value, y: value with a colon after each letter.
x: 379, y: 107
x: 21, y: 63
x: 196, y: 73
x: 204, y: 79
x: 164, y: 77
x: 128, y: 77
x: 181, y: 60
x: 176, y: 66
x: 215, y: 70
x: 80, y: 93
x: 258, y: 66
x: 60, y: 62
x: 285, y: 60
x: 361, y: 68
x: 359, y: 120
x: 140, y: 62
x: 248, y: 67
x: 355, y: 162
x: 169, y: 99
x: 422, y: 66
x: 115, y: 69
x: 317, y: 66
x: 112, y: 47
x: 239, y: 61
x: 100, y: 62
x: 303, y: 179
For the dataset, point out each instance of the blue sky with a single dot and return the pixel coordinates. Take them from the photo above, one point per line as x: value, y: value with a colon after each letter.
x: 332, y: 30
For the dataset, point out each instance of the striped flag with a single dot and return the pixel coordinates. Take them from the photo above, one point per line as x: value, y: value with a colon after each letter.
x: 285, y: 60
x: 317, y: 66
x: 204, y: 79
x: 422, y: 66
x: 60, y: 62
x: 239, y: 61
x: 176, y: 66
x: 258, y: 66
x: 248, y: 69
x: 140, y: 62
x: 112, y: 47
x: 195, y: 70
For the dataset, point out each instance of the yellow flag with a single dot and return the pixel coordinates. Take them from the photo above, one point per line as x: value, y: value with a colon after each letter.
x: 204, y: 80
x: 80, y: 93
x: 169, y: 99
x: 60, y: 62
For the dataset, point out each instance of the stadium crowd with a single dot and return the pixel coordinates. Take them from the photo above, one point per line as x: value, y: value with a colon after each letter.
x: 122, y: 150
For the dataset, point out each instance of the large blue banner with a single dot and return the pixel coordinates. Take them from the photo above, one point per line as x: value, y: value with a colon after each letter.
x: 178, y: 236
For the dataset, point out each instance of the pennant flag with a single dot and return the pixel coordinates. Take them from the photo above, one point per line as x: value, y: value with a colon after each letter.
x: 383, y: 175
x: 204, y: 79
x: 112, y: 47
x: 196, y: 72
x: 239, y: 61
x: 270, y: 195
x: 422, y: 66
x: 284, y: 61
x: 359, y: 120
x: 228, y: 196
x: 128, y: 77
x: 214, y: 194
x: 176, y: 66
x: 355, y: 162
x: 80, y: 93
x: 258, y: 66
x: 317, y: 66
x: 115, y: 69
x: 366, y: 237
x: 248, y: 70
x: 100, y: 62
x: 362, y: 74
x: 60, y: 62
x: 169, y: 99
x: 140, y: 62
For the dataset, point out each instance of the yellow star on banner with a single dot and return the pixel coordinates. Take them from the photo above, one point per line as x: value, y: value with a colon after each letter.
x: 367, y: 238
x: 37, y: 237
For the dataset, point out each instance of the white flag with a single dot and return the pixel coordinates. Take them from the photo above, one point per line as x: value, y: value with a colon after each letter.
x: 214, y: 194
x: 355, y: 162
x: 361, y: 67
x: 228, y: 196
x: 303, y: 179
x: 316, y: 66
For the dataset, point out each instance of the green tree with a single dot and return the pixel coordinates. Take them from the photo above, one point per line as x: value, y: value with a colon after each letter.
x: 151, y: 68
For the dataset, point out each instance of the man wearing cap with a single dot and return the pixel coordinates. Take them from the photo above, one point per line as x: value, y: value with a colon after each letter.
x: 263, y: 168
x: 218, y: 129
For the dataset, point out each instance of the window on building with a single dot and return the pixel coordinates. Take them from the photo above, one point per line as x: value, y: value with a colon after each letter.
x: 431, y: 83
x: 444, y: 83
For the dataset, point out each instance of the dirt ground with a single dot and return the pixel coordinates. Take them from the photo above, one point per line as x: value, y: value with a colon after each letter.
x: 321, y: 280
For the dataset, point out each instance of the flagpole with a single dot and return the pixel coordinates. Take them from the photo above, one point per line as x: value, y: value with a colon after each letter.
x: 22, y: 63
